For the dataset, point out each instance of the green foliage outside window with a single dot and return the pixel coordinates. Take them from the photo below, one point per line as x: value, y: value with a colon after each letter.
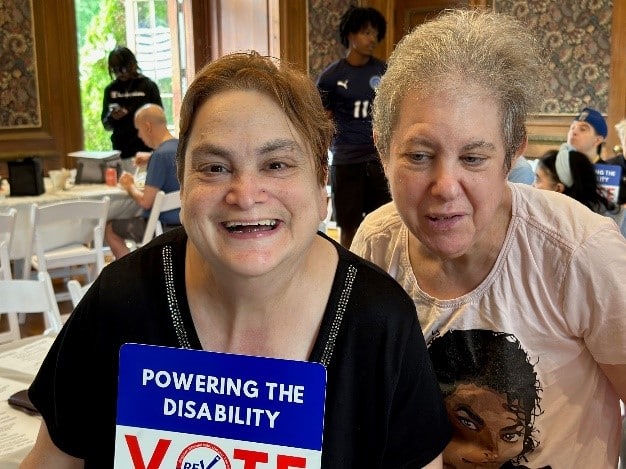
x: 101, y: 24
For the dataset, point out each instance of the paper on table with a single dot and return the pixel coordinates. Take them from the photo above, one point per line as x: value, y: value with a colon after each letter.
x: 28, y: 358
x: 18, y: 430
x: 140, y: 176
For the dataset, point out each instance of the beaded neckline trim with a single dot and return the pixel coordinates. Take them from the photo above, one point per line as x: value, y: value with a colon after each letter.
x: 339, y: 313
x: 183, y: 338
x: 172, y: 302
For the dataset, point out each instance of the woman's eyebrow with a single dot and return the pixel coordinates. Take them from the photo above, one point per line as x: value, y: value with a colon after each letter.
x: 279, y: 144
x: 479, y: 145
x: 268, y: 147
x: 208, y: 149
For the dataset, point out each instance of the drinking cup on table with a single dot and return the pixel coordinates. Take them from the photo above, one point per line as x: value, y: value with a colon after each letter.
x: 110, y: 177
x: 59, y: 178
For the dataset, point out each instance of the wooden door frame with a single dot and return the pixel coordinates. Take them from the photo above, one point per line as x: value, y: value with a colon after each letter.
x: 617, y: 74
x: 293, y: 31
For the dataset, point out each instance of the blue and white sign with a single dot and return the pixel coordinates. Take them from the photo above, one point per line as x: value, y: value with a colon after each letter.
x: 193, y: 409
x: 609, y: 177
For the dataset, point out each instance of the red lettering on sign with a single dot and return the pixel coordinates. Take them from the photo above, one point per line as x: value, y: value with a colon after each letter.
x: 135, y: 453
x: 285, y: 462
x: 250, y: 458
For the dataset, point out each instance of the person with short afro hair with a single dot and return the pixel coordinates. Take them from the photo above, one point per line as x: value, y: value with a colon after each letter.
x: 347, y: 87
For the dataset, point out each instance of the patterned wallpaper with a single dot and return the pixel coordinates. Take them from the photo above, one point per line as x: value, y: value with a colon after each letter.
x: 324, y: 44
x: 576, y: 34
x: 19, y: 95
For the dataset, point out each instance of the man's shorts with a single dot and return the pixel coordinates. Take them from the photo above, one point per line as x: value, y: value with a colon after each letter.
x: 357, y: 189
x: 130, y: 228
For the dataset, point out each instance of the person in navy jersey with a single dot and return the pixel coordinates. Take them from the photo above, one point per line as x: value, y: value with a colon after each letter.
x: 347, y: 87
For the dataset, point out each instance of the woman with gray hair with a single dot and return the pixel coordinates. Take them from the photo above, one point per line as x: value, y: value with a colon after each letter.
x: 477, y: 252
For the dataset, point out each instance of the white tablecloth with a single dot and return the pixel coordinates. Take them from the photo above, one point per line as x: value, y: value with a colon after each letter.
x: 19, y: 362
x: 121, y: 206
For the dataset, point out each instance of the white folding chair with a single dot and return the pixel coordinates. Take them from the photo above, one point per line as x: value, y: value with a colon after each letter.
x: 324, y: 225
x: 68, y: 239
x: 29, y: 296
x: 163, y: 202
x: 77, y: 290
x: 7, y: 224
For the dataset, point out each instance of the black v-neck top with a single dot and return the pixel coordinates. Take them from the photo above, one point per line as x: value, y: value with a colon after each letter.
x: 383, y: 405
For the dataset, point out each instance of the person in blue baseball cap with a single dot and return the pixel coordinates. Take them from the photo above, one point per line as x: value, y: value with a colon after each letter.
x: 587, y: 133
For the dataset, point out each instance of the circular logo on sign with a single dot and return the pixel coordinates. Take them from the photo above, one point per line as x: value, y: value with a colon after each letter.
x: 203, y: 454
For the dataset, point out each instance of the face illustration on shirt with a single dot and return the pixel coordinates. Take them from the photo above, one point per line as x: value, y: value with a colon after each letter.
x: 491, y: 394
x: 486, y: 431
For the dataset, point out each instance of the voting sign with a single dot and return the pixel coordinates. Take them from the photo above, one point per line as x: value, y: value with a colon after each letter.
x: 609, y: 177
x: 193, y: 409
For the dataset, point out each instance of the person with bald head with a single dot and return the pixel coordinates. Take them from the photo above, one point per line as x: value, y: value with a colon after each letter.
x: 151, y: 125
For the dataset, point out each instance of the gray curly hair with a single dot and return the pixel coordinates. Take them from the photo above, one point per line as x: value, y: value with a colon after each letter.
x: 460, y: 49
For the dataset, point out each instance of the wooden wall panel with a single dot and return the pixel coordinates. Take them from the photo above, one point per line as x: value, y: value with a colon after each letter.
x: 57, y: 70
x: 294, y: 33
x: 224, y: 26
x: 617, y: 76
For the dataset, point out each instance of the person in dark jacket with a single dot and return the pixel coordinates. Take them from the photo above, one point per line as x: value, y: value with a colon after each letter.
x: 128, y: 91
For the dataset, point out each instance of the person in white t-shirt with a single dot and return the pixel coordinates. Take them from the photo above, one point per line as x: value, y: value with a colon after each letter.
x: 477, y: 252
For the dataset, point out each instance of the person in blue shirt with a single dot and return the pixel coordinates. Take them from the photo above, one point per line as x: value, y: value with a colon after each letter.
x: 522, y: 171
x: 151, y: 125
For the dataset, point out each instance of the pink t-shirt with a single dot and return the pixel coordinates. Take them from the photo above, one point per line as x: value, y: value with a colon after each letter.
x: 558, y: 289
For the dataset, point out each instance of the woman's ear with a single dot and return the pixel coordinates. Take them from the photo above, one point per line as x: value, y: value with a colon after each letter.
x: 324, y: 199
x: 521, y: 149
